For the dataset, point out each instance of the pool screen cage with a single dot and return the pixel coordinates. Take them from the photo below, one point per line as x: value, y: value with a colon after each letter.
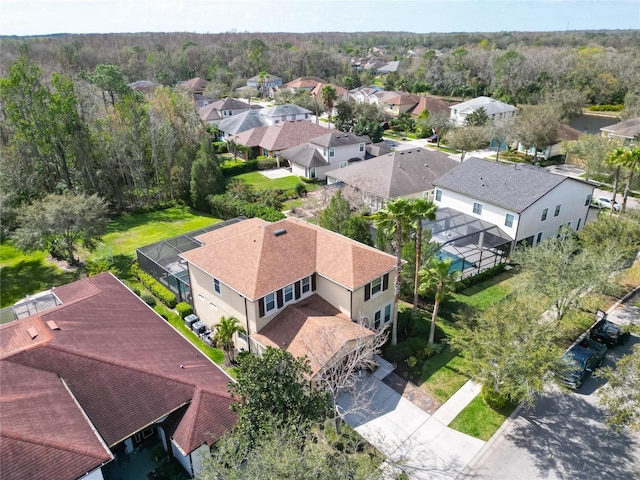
x: 477, y: 244
x: 162, y: 260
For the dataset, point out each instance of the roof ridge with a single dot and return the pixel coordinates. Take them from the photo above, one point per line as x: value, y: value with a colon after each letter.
x: 52, y: 444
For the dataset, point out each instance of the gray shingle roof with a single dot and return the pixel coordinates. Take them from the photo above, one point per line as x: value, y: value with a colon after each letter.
x: 242, y: 122
x: 339, y: 139
x: 287, y: 109
x: 396, y: 174
x: 628, y: 129
x: 490, y: 105
x: 514, y: 187
x: 304, y: 155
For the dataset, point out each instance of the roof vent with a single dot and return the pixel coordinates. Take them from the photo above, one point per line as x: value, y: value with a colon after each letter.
x: 33, y: 332
x: 53, y: 325
x: 279, y: 232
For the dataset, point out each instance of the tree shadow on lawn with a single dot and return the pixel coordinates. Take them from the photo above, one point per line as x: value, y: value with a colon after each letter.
x: 31, y: 276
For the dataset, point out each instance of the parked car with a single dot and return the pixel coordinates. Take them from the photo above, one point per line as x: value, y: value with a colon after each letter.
x: 608, y: 333
x: 579, y: 361
x: 606, y: 202
x: 433, y: 138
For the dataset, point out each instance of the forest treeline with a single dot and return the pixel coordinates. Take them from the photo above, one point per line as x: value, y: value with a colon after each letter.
x: 68, y: 122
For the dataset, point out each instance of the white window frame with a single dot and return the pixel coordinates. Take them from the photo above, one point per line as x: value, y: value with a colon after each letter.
x: 216, y: 286
x: 332, y: 152
x: 376, y: 286
x: 269, y: 299
x: 545, y: 213
x: 438, y: 196
x: 288, y: 292
x: 305, y: 285
x: 343, y: 164
x: 312, y: 172
x: 361, y: 147
x: 477, y: 208
x: 508, y: 220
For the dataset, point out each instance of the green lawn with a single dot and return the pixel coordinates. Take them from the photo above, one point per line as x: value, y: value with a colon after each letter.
x: 260, y: 182
x: 479, y: 420
x: 24, y: 274
x: 485, y: 294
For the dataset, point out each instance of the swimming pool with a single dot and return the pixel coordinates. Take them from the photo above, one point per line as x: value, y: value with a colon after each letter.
x: 457, y: 263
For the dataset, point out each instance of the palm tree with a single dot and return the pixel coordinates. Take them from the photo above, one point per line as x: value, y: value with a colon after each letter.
x: 437, y: 275
x: 615, y: 158
x: 329, y: 96
x: 225, y: 330
x: 631, y: 161
x: 390, y: 220
x: 423, y: 208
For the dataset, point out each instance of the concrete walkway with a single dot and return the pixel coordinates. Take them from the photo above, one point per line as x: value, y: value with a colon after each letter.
x: 413, y: 441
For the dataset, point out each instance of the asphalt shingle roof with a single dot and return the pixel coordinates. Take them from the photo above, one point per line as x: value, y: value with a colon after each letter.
x: 628, y: 129
x: 514, y: 187
x: 490, y: 105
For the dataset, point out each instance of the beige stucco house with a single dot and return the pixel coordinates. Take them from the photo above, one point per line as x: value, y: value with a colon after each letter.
x: 291, y: 284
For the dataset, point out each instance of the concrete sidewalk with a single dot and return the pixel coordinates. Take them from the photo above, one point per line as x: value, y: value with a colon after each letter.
x: 412, y: 440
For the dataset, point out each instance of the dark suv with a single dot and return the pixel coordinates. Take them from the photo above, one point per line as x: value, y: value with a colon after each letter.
x: 608, y: 332
x: 579, y: 361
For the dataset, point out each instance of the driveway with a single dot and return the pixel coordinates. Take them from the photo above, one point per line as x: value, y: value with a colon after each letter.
x: 564, y: 435
x: 419, y: 443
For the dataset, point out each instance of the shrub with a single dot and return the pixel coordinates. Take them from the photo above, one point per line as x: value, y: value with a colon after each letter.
x: 489, y: 273
x: 148, y: 299
x: 184, y: 309
x: 301, y: 189
x: 165, y: 295
x: 231, y: 169
x: 606, y: 108
x: 221, y: 147
x: 266, y: 163
x: 494, y: 399
x: 100, y: 265
x: 226, y: 207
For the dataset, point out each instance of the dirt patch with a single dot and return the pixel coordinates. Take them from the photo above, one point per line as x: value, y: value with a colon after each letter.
x: 411, y: 392
x: 63, y: 265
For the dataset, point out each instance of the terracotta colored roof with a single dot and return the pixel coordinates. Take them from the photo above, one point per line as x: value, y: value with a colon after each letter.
x: 431, y: 104
x: 304, y: 82
x: 255, y: 262
x: 313, y: 328
x: 399, y: 98
x: 121, y: 362
x: 281, y: 136
x: 209, y: 113
x: 341, y: 92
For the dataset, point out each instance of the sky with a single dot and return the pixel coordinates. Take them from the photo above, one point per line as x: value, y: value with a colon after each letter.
x: 40, y: 17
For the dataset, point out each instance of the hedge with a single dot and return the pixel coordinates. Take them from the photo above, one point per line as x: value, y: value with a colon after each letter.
x: 485, y: 275
x: 606, y: 108
x: 231, y: 169
x: 184, y: 309
x: 165, y: 295
x: 226, y: 207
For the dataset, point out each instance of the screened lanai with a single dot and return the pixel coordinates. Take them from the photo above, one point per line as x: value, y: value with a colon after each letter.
x: 162, y: 261
x: 473, y: 244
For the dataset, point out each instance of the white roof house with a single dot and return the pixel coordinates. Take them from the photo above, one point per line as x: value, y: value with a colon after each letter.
x: 496, y: 110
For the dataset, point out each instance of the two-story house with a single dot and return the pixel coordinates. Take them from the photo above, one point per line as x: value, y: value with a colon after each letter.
x: 396, y: 103
x: 225, y: 108
x: 628, y: 131
x: 528, y: 203
x: 495, y: 109
x: 265, y: 83
x: 335, y: 149
x: 289, y: 283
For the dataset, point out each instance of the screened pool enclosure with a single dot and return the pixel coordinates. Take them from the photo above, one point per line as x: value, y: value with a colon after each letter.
x: 162, y: 261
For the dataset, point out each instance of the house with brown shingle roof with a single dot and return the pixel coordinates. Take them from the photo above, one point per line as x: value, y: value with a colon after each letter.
x: 303, y: 83
x: 431, y: 104
x: 270, y: 140
x: 97, y: 376
x: 396, y: 103
x: 627, y: 130
x: 291, y: 284
x: 224, y: 108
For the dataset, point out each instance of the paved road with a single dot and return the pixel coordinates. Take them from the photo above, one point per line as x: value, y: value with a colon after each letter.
x: 564, y: 436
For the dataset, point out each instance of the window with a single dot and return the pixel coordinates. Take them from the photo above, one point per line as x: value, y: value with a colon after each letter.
x: 265, y: 152
x: 438, y: 195
x: 587, y: 200
x: 557, y: 211
x: 361, y: 146
x: 276, y: 122
x: 242, y: 336
x: 376, y: 286
x: 508, y: 220
x: 230, y: 112
x: 332, y: 152
x: 539, y: 238
x: 455, y: 111
x: 270, y: 302
x: 377, y: 317
x: 343, y: 164
x: 288, y: 293
x: 306, y: 115
x: 387, y: 314
x: 544, y: 214
x: 216, y: 285
x: 312, y: 172
x: 306, y: 284
x: 579, y: 223
x: 324, y: 152
x: 477, y: 208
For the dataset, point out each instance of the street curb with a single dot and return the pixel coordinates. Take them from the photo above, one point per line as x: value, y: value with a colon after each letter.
x: 623, y: 299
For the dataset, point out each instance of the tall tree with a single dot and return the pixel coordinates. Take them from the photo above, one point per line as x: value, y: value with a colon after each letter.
x: 423, y: 209
x: 477, y: 118
x: 329, y: 96
x: 631, y: 160
x: 466, y: 139
x: 274, y: 388
x: 510, y: 349
x: 537, y: 127
x: 616, y: 158
x: 226, y: 328
x: 440, y: 122
x: 110, y: 81
x: 390, y: 221
x: 58, y: 223
x: 437, y: 277
x: 337, y: 214
x: 206, y: 176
